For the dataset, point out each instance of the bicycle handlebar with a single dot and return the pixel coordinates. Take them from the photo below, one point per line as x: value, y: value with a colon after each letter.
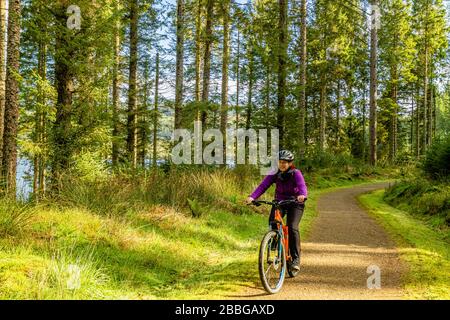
x: 275, y: 202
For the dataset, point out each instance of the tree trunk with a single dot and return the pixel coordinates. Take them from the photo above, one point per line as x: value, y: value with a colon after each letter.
x: 115, y: 92
x: 417, y: 123
x: 411, y: 131
x: 155, y: 114
x: 198, y: 55
x: 425, y: 104
x: 132, y: 99
x: 430, y: 113
x: 302, y: 87
x: 64, y: 78
x: 315, y: 122
x: 40, y: 120
x: 249, y: 110
x: 373, y: 90
x: 225, y: 61
x: 338, y: 113
x: 433, y: 102
x: 12, y: 98
x: 180, y: 63
x: 250, y: 87
x: 238, y: 77
x: 393, y: 126
x: 207, y: 59
x: 267, y: 100
x: 364, y: 124
x: 282, y: 60
x: 322, y: 115
x: 143, y: 118
x: 2, y: 72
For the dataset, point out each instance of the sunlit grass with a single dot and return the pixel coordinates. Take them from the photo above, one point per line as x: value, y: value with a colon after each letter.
x: 136, y: 239
x: 425, y: 250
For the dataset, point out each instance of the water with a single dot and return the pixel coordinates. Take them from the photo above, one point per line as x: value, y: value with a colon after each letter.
x: 24, y: 178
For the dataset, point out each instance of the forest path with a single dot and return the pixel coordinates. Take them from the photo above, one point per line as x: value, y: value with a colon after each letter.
x: 344, y: 241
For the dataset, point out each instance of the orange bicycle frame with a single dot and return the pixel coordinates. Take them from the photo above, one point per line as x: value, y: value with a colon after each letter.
x: 278, y: 218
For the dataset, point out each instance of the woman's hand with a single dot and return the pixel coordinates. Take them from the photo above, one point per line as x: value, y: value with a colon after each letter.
x: 249, y: 200
x: 301, y: 198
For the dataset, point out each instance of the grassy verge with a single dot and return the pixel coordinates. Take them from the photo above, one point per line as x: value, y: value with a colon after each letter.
x: 125, y: 241
x: 151, y: 255
x: 424, y: 249
x: 427, y: 200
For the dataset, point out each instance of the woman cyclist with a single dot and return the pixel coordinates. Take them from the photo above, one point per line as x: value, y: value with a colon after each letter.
x: 289, y: 184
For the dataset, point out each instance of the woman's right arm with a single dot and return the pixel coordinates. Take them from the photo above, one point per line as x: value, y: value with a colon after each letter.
x: 263, y: 186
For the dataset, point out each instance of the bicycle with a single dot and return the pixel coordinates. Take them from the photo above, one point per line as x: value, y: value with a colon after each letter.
x: 275, y: 240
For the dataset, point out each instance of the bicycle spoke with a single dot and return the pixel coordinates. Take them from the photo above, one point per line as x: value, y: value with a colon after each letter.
x: 272, y: 275
x: 268, y: 269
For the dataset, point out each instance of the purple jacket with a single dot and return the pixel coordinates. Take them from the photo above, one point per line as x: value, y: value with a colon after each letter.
x: 293, y: 184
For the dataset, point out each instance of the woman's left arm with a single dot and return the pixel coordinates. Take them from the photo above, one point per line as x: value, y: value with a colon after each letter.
x: 300, y: 183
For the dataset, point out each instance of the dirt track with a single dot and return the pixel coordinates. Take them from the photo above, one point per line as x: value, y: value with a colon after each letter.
x: 343, y: 242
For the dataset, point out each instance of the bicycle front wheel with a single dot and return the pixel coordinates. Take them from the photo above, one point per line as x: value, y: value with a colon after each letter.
x: 272, y: 262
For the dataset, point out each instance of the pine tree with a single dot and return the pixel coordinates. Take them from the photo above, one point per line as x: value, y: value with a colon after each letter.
x: 11, y: 120
x: 179, y: 62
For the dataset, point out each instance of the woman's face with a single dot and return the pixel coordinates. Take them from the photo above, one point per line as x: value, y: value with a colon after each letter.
x: 283, y: 165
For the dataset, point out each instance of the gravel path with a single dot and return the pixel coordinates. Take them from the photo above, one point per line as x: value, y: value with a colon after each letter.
x: 344, y: 241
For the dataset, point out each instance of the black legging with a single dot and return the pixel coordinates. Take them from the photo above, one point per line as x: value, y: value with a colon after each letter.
x: 294, y: 215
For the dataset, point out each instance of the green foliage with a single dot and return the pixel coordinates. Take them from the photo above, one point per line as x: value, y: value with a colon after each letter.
x: 443, y: 113
x: 14, y: 217
x: 437, y: 160
x: 425, y: 198
x: 321, y: 159
x: 195, y: 207
x: 89, y: 167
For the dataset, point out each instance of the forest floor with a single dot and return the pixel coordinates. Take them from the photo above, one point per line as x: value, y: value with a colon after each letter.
x: 344, y: 241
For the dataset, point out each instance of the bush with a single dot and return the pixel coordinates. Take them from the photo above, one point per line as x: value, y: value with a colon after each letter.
x: 437, y: 160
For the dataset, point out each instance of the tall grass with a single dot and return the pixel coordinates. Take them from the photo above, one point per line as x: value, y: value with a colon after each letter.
x: 14, y: 216
x: 64, y: 272
x: 124, y: 193
x: 423, y: 197
x: 71, y: 273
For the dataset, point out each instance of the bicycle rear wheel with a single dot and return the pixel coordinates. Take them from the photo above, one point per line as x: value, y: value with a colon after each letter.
x: 272, y: 263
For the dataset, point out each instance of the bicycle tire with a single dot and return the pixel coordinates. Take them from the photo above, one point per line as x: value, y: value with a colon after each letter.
x: 261, y: 263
